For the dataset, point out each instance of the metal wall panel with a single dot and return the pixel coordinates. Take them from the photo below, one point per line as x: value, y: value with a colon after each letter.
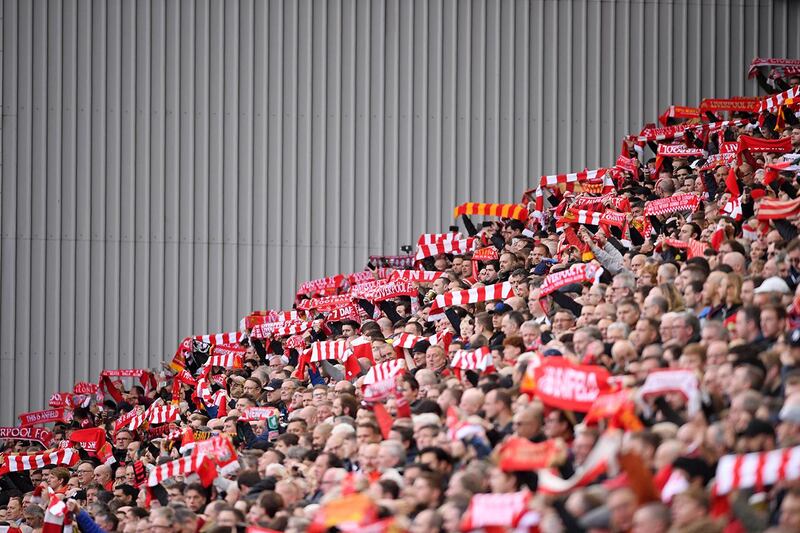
x: 169, y: 165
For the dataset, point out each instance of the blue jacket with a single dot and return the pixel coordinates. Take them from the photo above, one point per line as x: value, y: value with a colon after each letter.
x: 87, y: 523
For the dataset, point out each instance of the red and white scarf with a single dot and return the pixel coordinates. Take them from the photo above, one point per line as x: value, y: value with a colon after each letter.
x: 661, y: 382
x: 385, y: 371
x: 460, y: 247
x: 672, y: 204
x: 155, y: 414
x: 787, y: 97
x: 498, y: 291
x: 578, y: 273
x: 419, y: 276
x: 770, y: 62
x: 679, y: 150
x: 324, y: 302
x: 322, y: 286
x: 279, y: 329
x: 43, y: 417
x: 180, y: 467
x: 770, y: 209
x: 601, y: 460
x: 496, y: 511
x: 436, y: 238
x: 232, y: 337
x: 757, y: 470
x: 479, y: 360
x: 22, y: 462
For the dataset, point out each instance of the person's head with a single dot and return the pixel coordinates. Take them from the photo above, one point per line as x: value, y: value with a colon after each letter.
x: 58, y: 478
x: 621, y: 506
x: 623, y: 286
x: 651, y: 518
x: 14, y: 508
x: 527, y: 421
x: 790, y: 509
x: 33, y: 515
x: 162, y: 520
x: 773, y: 319
x: 196, y: 497
x: 435, y: 358
x: 85, y: 471
x: 126, y: 494
x: 689, y: 506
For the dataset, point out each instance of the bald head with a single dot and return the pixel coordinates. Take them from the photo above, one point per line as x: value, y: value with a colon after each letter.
x: 736, y: 261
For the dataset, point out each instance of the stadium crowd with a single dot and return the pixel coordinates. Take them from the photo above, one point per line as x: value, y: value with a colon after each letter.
x: 618, y: 352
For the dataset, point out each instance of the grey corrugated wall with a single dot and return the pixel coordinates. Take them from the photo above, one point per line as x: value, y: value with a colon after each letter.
x: 167, y: 166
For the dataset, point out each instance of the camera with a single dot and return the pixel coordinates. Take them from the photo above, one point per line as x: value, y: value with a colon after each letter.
x: 406, y: 248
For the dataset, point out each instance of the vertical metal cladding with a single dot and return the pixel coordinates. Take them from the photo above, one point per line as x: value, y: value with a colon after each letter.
x: 167, y: 166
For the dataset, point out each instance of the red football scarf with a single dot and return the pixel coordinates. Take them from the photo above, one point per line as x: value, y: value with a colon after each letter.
x: 741, y: 104
x: 146, y: 378
x: 771, y: 209
x: 436, y: 238
x: 678, y: 111
x: 770, y: 62
x: 660, y: 382
x: 321, y: 287
x: 514, y: 211
x: 280, y: 329
x: 90, y: 439
x: 330, y: 350
x: 385, y: 371
x: 679, y: 150
x: 616, y: 407
x: 232, y: 337
x: 498, y: 291
x: 597, y: 463
x: 672, y: 204
x: 495, y: 512
x: 324, y: 302
x: 200, y: 465
x: 44, y: 417
x: 754, y: 145
x: 419, y: 276
x: 563, y: 385
x: 628, y: 164
x: 17, y: 462
x: 448, y: 247
x: 479, y: 360
x: 757, y: 470
x: 521, y: 455
x: 578, y: 273
x: 29, y: 433
x: 787, y: 97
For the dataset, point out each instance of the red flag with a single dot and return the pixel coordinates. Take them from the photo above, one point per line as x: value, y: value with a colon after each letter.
x: 207, y: 471
x: 731, y: 184
x: 518, y: 454
x: 384, y: 419
x: 91, y: 439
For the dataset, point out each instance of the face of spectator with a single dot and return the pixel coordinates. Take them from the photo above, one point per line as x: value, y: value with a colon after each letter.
x: 194, y: 500
x: 123, y: 439
x: 85, y: 474
x: 562, y: 322
x: 622, y: 505
x: 770, y: 324
x: 627, y: 314
x: 13, y: 509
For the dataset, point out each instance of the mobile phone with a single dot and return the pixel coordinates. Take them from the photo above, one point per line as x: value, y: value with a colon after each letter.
x: 453, y: 229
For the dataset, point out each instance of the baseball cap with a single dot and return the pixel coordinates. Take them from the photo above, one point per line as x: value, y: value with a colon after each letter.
x: 500, y: 308
x: 274, y: 385
x: 773, y: 284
